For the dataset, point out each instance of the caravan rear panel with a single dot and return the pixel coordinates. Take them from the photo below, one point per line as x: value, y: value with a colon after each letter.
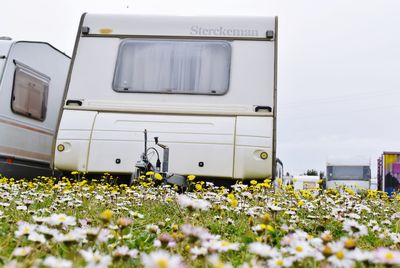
x: 204, y: 85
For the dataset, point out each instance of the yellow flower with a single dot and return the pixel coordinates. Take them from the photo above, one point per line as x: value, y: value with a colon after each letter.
x: 253, y: 182
x: 198, y: 187
x: 234, y: 203
x: 174, y: 227
x: 74, y: 172
x: 300, y: 203
x: 191, y: 177
x: 270, y: 228
x: 266, y: 218
x: 158, y: 176
x: 149, y: 173
x: 231, y: 196
x: 327, y: 251
x: 340, y: 255
x: 106, y: 215
x: 55, y: 187
x: 350, y: 243
x: 123, y: 222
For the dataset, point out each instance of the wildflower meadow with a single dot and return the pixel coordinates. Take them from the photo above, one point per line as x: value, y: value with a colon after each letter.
x: 74, y: 222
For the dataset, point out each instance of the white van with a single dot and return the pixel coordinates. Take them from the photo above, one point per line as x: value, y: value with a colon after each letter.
x: 32, y: 84
x: 206, y: 86
x: 353, y: 173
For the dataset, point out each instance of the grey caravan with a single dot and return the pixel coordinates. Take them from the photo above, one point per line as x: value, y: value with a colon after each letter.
x: 32, y: 83
x: 204, y: 85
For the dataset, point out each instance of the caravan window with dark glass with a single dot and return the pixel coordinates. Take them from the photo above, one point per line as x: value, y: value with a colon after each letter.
x: 173, y: 66
x: 30, y: 91
x: 349, y: 172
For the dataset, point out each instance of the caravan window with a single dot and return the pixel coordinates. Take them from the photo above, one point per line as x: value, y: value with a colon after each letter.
x: 173, y: 66
x: 349, y: 172
x: 30, y: 92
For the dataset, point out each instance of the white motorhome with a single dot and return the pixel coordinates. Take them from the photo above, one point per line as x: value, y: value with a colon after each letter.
x: 206, y: 86
x: 32, y: 84
x: 354, y: 173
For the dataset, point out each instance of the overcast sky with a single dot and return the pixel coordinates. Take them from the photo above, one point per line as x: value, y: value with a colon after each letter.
x: 338, y: 74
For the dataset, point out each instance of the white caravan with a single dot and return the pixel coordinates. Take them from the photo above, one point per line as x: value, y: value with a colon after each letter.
x: 305, y: 182
x: 32, y: 84
x: 206, y: 86
x: 354, y: 173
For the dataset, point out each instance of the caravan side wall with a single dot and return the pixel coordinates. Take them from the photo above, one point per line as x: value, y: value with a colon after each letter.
x: 225, y: 133
x: 31, y: 91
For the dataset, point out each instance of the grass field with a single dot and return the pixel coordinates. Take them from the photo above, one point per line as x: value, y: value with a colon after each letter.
x: 47, y: 222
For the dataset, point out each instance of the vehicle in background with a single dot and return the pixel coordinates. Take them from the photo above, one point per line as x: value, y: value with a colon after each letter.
x: 205, y: 86
x: 353, y: 173
x: 389, y: 172
x: 279, y: 170
x: 374, y: 184
x: 304, y: 182
x: 32, y: 84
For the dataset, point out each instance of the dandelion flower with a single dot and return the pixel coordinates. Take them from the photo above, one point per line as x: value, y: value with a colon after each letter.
x: 106, y: 215
x: 191, y: 177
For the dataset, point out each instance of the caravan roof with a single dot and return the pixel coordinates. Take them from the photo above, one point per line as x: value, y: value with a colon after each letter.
x: 5, y: 45
x: 348, y: 161
x: 169, y: 26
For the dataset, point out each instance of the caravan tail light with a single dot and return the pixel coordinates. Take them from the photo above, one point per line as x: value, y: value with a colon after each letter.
x: 60, y: 147
x: 263, y: 155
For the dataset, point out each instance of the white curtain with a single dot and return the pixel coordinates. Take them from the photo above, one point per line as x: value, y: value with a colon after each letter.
x: 173, y: 66
x: 30, y: 93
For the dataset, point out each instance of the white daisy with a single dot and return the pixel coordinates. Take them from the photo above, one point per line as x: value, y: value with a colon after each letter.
x: 95, y: 259
x: 53, y: 262
x: 161, y: 259
x: 22, y: 251
x: 57, y: 219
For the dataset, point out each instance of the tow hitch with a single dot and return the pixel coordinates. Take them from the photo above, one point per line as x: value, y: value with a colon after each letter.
x: 144, y: 165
